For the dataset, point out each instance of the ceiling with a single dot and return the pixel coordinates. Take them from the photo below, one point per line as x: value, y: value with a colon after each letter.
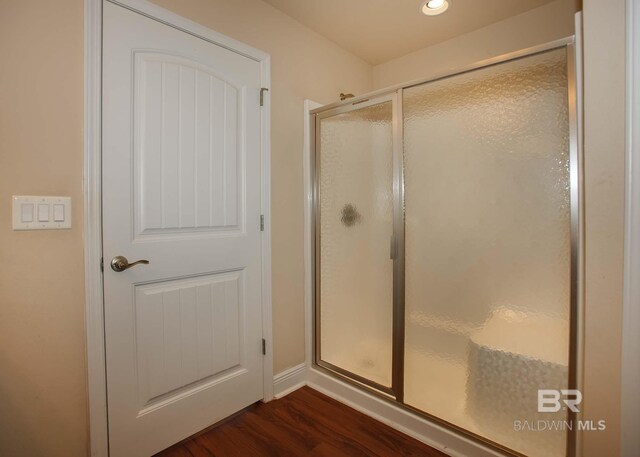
x: 381, y: 30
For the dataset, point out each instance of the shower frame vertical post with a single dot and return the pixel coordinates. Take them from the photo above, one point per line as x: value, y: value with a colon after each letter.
x: 398, y: 238
x: 576, y: 330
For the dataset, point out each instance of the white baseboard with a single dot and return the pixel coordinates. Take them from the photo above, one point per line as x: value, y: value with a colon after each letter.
x: 428, y: 432
x: 289, y: 380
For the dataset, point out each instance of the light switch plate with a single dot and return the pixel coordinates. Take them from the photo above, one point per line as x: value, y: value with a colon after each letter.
x: 41, y: 208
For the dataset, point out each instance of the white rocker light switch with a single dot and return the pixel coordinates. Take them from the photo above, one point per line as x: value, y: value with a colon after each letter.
x: 26, y: 214
x: 43, y: 212
x: 58, y: 212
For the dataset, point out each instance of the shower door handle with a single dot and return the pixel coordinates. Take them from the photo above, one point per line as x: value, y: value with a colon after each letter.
x: 393, y: 248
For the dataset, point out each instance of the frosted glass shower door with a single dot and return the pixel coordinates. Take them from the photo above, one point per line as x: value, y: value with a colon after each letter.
x: 488, y: 248
x: 354, y: 225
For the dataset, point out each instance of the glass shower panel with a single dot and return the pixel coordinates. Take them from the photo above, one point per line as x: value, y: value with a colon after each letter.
x: 355, y: 214
x: 487, y: 214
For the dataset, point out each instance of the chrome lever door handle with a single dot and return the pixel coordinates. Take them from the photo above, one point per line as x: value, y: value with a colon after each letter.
x: 120, y: 263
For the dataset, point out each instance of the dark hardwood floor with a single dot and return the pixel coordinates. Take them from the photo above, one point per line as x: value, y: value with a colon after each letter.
x: 304, y: 422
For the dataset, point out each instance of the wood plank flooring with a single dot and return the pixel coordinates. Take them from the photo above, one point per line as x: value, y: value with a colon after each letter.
x: 304, y: 423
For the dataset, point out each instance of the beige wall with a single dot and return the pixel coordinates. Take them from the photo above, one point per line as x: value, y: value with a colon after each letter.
x: 42, y: 369
x: 604, y: 149
x: 540, y: 25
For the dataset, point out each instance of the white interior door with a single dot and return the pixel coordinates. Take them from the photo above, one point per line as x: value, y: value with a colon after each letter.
x: 181, y: 189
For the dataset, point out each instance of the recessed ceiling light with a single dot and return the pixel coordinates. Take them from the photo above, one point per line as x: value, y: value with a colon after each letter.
x: 435, y: 7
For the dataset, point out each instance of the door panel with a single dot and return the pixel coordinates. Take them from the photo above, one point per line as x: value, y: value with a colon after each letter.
x: 188, y: 331
x: 488, y: 248
x: 189, y: 176
x: 355, y: 174
x: 181, y: 188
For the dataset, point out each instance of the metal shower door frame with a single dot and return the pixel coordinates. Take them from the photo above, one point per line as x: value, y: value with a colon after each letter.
x: 576, y: 192
x: 396, y: 248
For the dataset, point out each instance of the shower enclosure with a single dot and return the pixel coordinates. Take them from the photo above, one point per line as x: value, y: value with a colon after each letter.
x: 447, y: 246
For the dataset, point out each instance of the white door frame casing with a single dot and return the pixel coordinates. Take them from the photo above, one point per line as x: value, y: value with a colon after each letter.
x: 94, y: 303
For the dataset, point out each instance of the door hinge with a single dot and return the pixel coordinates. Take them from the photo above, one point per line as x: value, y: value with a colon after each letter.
x: 393, y: 249
x: 262, y: 222
x: 264, y: 346
x: 262, y: 91
x: 102, y: 264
